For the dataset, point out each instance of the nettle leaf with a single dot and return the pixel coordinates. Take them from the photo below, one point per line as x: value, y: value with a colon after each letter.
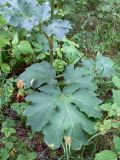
x: 15, y: 40
x: 4, y: 154
x: 59, y: 65
x: 37, y: 74
x: 60, y: 113
x: 71, y: 51
x: 58, y: 28
x: 25, y: 47
x: 5, y: 68
x: 4, y: 42
x: 31, y: 155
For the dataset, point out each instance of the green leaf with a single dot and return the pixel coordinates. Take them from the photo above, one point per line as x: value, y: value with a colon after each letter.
x: 0, y: 59
x: 19, y: 108
x: 44, y: 12
x: 104, y: 66
x: 59, y: 65
x: 4, y: 42
x: 83, y: 77
x: 88, y: 63
x: 116, y: 141
x: 16, y: 52
x: 116, y: 97
x: 83, y: 101
x: 21, y: 13
x: 38, y: 74
x: 21, y: 157
x: 9, y: 145
x: 71, y: 51
x: 8, y: 123
x: 25, y: 13
x: 5, y: 68
x: 4, y: 154
x: 15, y: 39
x: 61, y: 112
x: 25, y: 47
x: 5, y: 34
x: 106, y: 155
x: 41, y: 56
x: 116, y: 81
x: 116, y: 125
x: 41, y: 39
x: 107, y: 125
x: 112, y: 110
x: 56, y: 112
x: 58, y: 28
x: 2, y: 21
x: 8, y: 131
x: 31, y: 156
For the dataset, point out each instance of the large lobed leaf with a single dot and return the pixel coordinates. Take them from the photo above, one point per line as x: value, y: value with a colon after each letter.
x: 58, y: 28
x: 58, y: 113
x: 21, y: 13
x: 62, y: 113
x: 25, y: 14
x: 44, y: 12
x: 83, y: 77
x: 37, y: 74
x: 103, y: 66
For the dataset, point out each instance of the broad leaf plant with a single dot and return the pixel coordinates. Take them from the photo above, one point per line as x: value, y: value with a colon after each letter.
x: 28, y: 14
x: 61, y: 108
x: 60, y: 105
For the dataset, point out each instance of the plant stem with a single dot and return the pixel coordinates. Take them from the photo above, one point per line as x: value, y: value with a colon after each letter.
x: 51, y: 38
x: 51, y: 50
x: 0, y: 58
x: 52, y: 9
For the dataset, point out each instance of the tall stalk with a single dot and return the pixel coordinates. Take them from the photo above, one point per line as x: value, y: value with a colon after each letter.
x: 0, y: 58
x: 52, y: 9
x: 51, y: 38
